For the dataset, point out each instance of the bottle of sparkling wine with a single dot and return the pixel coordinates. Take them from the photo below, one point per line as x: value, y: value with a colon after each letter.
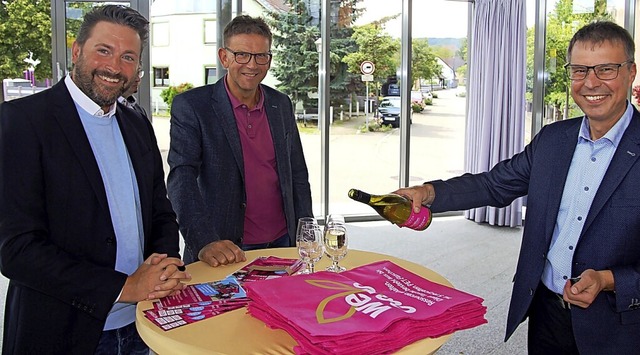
x: 395, y: 208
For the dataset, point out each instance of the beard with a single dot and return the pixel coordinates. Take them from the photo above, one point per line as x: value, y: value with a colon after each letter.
x: 100, y: 94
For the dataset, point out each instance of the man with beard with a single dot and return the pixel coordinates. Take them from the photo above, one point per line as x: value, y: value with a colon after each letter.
x: 86, y: 230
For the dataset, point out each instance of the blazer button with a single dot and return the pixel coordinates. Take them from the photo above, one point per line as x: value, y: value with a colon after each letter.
x: 530, y: 292
x: 109, y: 241
x: 243, y: 205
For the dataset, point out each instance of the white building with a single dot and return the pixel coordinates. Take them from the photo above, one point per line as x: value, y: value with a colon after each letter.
x: 183, y: 42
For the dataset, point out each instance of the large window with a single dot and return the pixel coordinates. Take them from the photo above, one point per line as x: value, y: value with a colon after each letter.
x: 210, y: 75
x: 210, y: 32
x: 160, y: 76
x: 563, y: 19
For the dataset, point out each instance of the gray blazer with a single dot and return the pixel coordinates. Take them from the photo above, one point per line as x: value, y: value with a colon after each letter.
x: 206, y: 179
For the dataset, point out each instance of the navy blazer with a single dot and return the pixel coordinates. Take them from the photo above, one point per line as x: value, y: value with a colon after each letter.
x: 610, y: 239
x: 206, y: 179
x: 57, y: 243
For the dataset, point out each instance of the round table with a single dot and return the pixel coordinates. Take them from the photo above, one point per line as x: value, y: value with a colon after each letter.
x: 236, y: 332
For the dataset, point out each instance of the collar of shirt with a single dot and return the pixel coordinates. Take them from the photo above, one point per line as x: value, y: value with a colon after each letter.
x: 614, y: 135
x: 85, y: 102
x: 235, y: 103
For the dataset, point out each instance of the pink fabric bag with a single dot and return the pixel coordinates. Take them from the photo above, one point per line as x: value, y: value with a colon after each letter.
x: 379, y: 306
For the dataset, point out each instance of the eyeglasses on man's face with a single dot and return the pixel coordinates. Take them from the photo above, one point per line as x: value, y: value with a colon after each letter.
x: 608, y: 71
x: 245, y: 57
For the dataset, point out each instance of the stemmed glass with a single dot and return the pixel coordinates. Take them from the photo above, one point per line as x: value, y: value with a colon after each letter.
x: 335, y: 241
x: 309, y: 242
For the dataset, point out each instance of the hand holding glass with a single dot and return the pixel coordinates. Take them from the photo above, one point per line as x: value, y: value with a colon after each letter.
x: 335, y: 244
x: 309, y: 242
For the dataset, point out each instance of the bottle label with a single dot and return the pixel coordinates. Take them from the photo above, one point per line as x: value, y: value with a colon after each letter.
x: 418, y: 221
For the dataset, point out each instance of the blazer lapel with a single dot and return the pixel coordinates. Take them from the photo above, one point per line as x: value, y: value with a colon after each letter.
x: 624, y: 158
x: 278, y: 134
x: 136, y: 147
x: 558, y: 172
x: 65, y: 113
x: 223, y: 112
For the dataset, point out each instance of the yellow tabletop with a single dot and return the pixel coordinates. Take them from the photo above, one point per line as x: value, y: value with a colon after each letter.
x: 236, y: 332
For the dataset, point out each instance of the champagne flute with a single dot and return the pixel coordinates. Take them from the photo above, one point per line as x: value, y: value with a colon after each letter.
x: 335, y: 243
x: 309, y: 242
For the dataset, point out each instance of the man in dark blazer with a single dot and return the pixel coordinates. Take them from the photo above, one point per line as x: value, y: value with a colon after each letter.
x: 73, y: 258
x: 578, y: 274
x: 238, y: 178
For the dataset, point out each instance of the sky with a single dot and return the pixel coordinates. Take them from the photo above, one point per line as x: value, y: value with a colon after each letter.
x: 431, y: 18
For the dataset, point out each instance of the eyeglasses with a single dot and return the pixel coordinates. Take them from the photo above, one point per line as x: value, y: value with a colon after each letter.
x: 245, y: 57
x: 607, y: 71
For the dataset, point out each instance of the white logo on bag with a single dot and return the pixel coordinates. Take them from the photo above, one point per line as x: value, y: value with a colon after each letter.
x: 375, y: 304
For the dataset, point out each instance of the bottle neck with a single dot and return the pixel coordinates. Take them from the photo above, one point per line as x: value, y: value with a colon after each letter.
x: 360, y: 196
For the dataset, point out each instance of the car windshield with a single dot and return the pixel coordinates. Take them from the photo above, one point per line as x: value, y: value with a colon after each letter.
x: 390, y: 103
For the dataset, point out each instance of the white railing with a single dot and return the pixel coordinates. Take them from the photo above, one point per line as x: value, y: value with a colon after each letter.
x: 16, y: 88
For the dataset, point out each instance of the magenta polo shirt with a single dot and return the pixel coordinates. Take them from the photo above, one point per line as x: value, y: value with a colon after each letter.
x: 264, y: 219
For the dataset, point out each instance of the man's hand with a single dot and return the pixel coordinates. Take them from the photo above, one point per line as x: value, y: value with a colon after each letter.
x: 157, y: 277
x: 419, y: 195
x: 585, y: 291
x: 221, y: 252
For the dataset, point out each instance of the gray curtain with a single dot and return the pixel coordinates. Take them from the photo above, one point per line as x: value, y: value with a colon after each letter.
x: 496, y: 96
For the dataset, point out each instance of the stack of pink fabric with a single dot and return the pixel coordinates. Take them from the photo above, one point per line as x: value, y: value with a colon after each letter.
x: 374, y: 309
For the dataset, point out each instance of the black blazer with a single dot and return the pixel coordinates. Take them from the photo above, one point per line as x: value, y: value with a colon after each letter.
x: 610, y: 238
x: 57, y: 243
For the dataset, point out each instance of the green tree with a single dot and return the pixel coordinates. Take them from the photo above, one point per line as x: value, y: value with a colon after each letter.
x: 294, y: 49
x: 25, y: 26
x: 295, y: 33
x: 461, y: 71
x: 562, y: 23
x: 423, y: 61
x: 376, y: 46
x: 443, y: 52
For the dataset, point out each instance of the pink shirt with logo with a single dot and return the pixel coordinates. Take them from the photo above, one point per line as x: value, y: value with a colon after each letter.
x: 264, y: 219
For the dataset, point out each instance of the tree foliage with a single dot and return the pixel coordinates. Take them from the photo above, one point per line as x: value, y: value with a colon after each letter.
x: 25, y: 26
x: 423, y: 61
x: 294, y: 51
x: 461, y: 71
x: 376, y: 46
x: 562, y: 23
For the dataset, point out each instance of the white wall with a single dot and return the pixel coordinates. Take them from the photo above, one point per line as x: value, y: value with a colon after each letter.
x: 178, y: 42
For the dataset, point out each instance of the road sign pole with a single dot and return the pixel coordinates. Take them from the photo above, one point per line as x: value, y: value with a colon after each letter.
x: 366, y: 107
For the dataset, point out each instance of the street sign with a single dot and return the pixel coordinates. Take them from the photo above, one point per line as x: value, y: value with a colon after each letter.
x: 367, y: 67
x: 366, y: 77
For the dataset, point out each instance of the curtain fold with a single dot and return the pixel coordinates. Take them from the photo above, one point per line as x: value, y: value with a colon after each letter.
x: 496, y: 94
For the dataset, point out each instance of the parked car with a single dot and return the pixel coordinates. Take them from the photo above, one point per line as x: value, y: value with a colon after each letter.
x: 418, y: 102
x: 394, y: 90
x: 389, y: 110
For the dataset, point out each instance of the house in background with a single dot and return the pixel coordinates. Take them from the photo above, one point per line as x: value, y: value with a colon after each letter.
x: 183, y: 43
x: 448, y: 77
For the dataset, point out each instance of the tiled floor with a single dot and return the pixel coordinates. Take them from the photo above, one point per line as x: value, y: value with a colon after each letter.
x: 476, y: 258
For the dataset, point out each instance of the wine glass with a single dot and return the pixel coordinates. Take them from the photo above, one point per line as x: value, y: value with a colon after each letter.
x: 309, y: 242
x: 335, y: 243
